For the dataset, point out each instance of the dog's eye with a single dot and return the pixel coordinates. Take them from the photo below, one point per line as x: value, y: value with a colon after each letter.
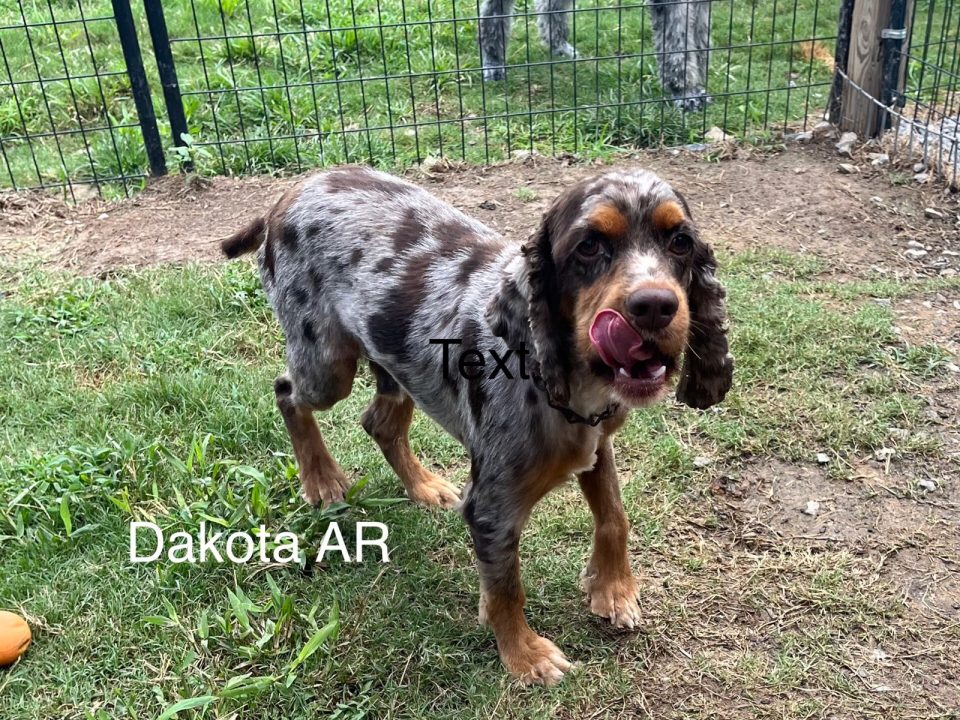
x: 589, y: 247
x: 681, y: 244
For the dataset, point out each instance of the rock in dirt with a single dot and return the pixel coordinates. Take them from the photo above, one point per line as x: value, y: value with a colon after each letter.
x: 934, y: 214
x: 848, y: 169
x: 823, y: 459
x: 823, y: 130
x: 914, y: 253
x: 927, y: 485
x: 878, y: 159
x: 812, y: 508
x: 846, y: 142
x: 884, y: 454
x: 700, y: 461
x: 716, y: 135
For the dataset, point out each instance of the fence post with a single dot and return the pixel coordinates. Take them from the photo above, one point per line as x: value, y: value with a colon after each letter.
x: 865, y: 68
x: 894, y: 38
x: 168, y: 74
x: 127, y: 31
x: 840, y: 59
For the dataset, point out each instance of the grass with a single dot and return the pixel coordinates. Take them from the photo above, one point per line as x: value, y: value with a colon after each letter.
x: 386, y: 82
x: 146, y: 396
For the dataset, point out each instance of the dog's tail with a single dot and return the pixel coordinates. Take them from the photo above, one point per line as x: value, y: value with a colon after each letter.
x: 246, y: 240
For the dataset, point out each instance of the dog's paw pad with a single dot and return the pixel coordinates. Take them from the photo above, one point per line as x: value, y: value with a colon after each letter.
x: 434, y: 491
x: 325, y: 491
x: 537, y: 661
x: 614, y: 601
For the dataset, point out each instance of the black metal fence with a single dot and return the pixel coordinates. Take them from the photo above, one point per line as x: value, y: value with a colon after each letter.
x: 268, y: 85
x: 927, y: 123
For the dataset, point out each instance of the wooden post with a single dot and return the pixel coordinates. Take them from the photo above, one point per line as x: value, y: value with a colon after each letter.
x: 865, y: 68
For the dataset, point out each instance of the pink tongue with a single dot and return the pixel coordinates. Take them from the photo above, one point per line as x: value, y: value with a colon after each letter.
x: 619, y: 344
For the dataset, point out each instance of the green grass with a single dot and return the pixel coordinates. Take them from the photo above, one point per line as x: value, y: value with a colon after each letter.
x: 340, y: 97
x: 148, y: 396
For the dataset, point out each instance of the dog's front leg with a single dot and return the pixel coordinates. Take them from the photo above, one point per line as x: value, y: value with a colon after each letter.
x: 495, y: 20
x: 496, y: 511
x: 607, y: 579
x: 552, y: 19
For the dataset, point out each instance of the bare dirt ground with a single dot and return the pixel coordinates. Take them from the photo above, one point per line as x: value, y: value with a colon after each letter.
x: 794, y: 200
x: 860, y: 225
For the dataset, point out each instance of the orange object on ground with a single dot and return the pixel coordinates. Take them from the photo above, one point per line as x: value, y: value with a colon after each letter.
x: 15, y: 637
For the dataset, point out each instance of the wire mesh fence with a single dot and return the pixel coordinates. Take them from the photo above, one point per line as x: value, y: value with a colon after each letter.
x: 67, y: 119
x: 915, y: 110
x: 928, y: 125
x: 391, y: 82
x: 274, y: 85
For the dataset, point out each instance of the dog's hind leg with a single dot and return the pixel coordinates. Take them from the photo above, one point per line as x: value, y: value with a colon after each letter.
x: 304, y: 389
x: 495, y: 23
x: 552, y: 20
x: 387, y: 420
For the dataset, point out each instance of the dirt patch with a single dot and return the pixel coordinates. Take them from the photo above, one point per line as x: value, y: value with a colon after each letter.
x: 795, y: 200
x: 883, y: 513
x: 899, y: 543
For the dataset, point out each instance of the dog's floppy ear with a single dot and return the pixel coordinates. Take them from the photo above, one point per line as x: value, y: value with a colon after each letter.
x: 707, y: 365
x: 524, y: 312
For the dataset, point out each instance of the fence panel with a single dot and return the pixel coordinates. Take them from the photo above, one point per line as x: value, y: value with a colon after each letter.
x: 68, y: 120
x: 929, y: 122
x: 272, y: 85
x: 288, y: 84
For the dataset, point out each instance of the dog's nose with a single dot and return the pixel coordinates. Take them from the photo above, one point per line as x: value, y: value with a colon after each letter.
x: 652, y: 308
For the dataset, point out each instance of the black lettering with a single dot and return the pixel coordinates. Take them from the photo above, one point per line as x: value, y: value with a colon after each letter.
x: 446, y: 342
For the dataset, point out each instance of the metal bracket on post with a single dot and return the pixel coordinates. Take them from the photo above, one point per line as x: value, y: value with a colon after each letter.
x: 168, y: 75
x: 127, y: 31
x: 893, y: 39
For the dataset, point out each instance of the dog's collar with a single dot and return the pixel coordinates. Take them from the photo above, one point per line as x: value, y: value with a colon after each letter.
x: 571, y: 415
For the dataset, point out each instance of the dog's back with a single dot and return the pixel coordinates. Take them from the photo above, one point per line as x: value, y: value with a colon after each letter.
x: 359, y: 263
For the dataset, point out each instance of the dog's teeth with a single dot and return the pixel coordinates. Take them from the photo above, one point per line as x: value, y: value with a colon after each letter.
x: 659, y: 372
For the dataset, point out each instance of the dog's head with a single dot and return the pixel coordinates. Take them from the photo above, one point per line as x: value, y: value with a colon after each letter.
x: 617, y: 283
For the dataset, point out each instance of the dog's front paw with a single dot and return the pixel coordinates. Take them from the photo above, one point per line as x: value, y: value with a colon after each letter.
x: 692, y: 101
x: 323, y: 491
x: 434, y: 490
x: 494, y: 73
x: 565, y: 50
x: 534, y: 660
x: 614, y: 600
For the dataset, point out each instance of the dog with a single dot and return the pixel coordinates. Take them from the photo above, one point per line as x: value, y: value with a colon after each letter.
x: 587, y: 318
x: 681, y: 37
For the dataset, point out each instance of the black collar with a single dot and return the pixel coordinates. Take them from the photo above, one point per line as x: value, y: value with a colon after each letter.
x: 571, y: 415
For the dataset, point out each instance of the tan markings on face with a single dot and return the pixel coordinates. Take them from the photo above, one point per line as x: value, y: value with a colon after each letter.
x: 600, y: 295
x: 667, y: 215
x: 672, y: 340
x: 610, y: 221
